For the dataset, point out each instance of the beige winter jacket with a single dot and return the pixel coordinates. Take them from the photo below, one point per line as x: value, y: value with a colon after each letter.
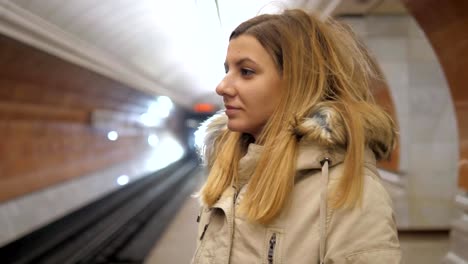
x: 303, y: 233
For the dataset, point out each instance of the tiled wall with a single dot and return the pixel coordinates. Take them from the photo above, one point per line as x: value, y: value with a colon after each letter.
x: 47, y: 127
x: 425, y: 112
x: 27, y: 213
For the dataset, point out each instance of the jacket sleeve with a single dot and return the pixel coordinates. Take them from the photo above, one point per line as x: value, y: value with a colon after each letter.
x: 365, y: 234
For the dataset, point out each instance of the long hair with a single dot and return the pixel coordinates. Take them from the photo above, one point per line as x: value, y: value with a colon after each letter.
x: 320, y: 63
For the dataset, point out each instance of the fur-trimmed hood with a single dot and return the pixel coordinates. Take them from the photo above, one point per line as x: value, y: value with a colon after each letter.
x: 324, y: 129
x: 362, y: 235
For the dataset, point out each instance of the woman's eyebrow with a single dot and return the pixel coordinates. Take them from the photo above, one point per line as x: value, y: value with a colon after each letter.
x: 240, y: 61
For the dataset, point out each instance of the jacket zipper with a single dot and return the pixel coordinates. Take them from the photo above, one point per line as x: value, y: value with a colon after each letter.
x: 271, y: 249
x: 203, y: 233
x: 231, y: 226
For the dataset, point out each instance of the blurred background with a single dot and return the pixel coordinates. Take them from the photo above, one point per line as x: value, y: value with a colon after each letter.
x: 99, y: 101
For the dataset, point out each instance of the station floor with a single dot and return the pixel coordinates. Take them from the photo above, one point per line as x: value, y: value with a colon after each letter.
x: 177, y: 244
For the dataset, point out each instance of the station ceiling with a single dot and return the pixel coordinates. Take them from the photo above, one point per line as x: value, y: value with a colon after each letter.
x: 173, y: 48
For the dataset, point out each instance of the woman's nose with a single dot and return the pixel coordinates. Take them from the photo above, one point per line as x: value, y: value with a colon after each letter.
x: 225, y: 88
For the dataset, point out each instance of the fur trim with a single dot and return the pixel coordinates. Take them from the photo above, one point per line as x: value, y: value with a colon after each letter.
x: 324, y: 127
x: 207, y: 134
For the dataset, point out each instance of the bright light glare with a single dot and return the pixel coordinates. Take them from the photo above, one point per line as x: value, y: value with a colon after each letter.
x: 112, y: 136
x: 157, y: 111
x: 167, y: 152
x: 122, y: 180
x: 153, y: 140
x: 172, y: 149
x: 161, y: 108
x: 150, y: 120
x: 165, y: 102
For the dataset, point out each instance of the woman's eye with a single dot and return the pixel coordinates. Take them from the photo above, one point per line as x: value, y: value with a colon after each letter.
x: 247, y: 72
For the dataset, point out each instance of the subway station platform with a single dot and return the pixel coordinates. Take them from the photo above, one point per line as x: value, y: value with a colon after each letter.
x: 99, y: 102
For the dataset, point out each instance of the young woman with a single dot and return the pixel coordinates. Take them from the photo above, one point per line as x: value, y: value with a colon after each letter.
x: 292, y: 159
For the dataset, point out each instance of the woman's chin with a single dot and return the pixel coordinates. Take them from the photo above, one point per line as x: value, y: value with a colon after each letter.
x: 234, y: 125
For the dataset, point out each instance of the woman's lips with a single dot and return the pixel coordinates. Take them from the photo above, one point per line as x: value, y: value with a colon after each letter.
x: 231, y: 110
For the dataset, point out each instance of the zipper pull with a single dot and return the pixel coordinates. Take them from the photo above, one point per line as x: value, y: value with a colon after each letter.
x: 203, y: 233
x: 271, y: 249
x: 200, y: 214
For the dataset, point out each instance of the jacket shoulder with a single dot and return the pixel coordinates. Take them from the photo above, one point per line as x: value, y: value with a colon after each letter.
x: 367, y: 231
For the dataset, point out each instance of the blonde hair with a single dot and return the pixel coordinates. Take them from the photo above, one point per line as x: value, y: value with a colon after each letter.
x: 321, y: 63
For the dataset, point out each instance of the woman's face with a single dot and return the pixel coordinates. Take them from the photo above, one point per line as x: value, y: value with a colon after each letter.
x: 252, y: 86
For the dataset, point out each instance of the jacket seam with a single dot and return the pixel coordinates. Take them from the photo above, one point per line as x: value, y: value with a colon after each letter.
x: 372, y: 250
